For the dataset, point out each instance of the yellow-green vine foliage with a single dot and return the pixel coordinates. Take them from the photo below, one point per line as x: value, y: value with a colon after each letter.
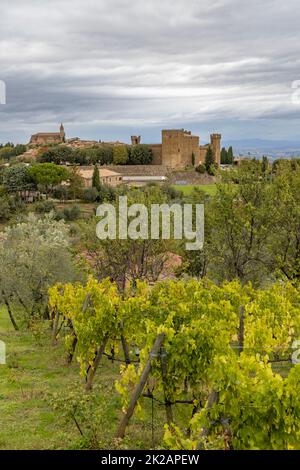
x: 258, y: 404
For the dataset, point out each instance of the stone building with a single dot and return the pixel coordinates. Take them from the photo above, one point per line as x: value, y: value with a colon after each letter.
x: 135, y: 139
x: 107, y: 177
x: 178, y: 147
x: 44, y: 138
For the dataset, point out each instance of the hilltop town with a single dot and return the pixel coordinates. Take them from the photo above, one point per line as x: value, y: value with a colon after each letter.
x: 178, y: 149
x: 171, y: 160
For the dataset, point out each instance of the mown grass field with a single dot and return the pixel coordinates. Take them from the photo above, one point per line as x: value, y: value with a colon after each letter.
x: 209, y: 189
x: 34, y: 372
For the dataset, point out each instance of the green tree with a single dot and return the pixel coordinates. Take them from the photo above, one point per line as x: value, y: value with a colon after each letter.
x: 120, y: 155
x: 17, y: 179
x: 34, y: 254
x: 224, y: 156
x: 127, y: 260
x: 76, y: 185
x: 105, y: 154
x: 209, y: 160
x: 241, y: 221
x: 140, y: 154
x: 96, y: 183
x: 58, y: 154
x: 19, y: 149
x: 285, y: 239
x: 193, y: 159
x: 265, y: 165
x: 6, y: 153
x: 230, y: 156
x: 48, y: 175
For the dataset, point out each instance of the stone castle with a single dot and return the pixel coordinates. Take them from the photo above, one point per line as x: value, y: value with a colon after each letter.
x: 179, y: 148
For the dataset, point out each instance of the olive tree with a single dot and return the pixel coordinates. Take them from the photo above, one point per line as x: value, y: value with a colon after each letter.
x: 34, y: 254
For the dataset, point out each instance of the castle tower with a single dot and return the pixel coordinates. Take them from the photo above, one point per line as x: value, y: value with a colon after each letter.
x: 62, y: 133
x: 135, y: 139
x: 178, y: 147
x: 215, y: 140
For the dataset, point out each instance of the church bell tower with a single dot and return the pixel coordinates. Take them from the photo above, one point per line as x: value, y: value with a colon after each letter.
x: 62, y: 133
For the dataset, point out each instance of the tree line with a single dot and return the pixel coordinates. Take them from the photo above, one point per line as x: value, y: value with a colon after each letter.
x: 9, y: 150
x: 103, y: 154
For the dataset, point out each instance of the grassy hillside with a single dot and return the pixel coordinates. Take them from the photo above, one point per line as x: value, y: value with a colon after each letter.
x: 34, y: 372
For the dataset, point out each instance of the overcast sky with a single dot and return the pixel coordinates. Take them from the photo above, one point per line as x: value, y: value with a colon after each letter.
x: 110, y: 68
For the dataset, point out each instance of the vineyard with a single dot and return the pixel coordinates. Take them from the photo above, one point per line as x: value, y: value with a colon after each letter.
x: 221, y: 360
x: 142, y: 344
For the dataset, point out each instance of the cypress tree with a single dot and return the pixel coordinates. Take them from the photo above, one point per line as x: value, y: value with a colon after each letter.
x: 96, y: 178
x: 230, y: 155
x: 209, y: 160
x: 224, y: 156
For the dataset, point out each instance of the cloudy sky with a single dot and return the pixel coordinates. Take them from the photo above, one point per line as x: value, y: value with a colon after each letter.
x: 108, y: 69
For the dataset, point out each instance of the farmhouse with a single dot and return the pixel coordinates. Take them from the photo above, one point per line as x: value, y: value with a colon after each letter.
x: 107, y: 177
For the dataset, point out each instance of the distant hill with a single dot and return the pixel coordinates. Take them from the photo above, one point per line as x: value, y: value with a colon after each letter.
x: 259, y: 147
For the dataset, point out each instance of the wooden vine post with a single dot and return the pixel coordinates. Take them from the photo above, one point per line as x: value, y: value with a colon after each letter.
x: 212, y: 399
x: 125, y: 349
x: 168, y: 405
x: 73, y: 334
x: 140, y: 386
x: 92, y: 370
x: 55, y: 328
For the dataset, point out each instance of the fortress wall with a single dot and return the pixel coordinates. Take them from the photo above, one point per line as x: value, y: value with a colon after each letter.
x: 157, y: 153
x: 178, y: 147
x: 190, y: 146
x: 202, y: 154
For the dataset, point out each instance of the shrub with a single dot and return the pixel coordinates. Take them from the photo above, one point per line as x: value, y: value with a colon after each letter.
x: 106, y: 193
x: 201, y: 169
x: 4, y: 209
x: 60, y: 192
x: 212, y: 170
x: 88, y: 413
x: 71, y: 213
x: 10, y: 205
x: 90, y: 195
x: 44, y: 207
x: 171, y: 192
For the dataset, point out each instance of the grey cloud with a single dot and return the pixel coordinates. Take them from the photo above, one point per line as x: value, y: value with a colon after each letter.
x: 118, y: 66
